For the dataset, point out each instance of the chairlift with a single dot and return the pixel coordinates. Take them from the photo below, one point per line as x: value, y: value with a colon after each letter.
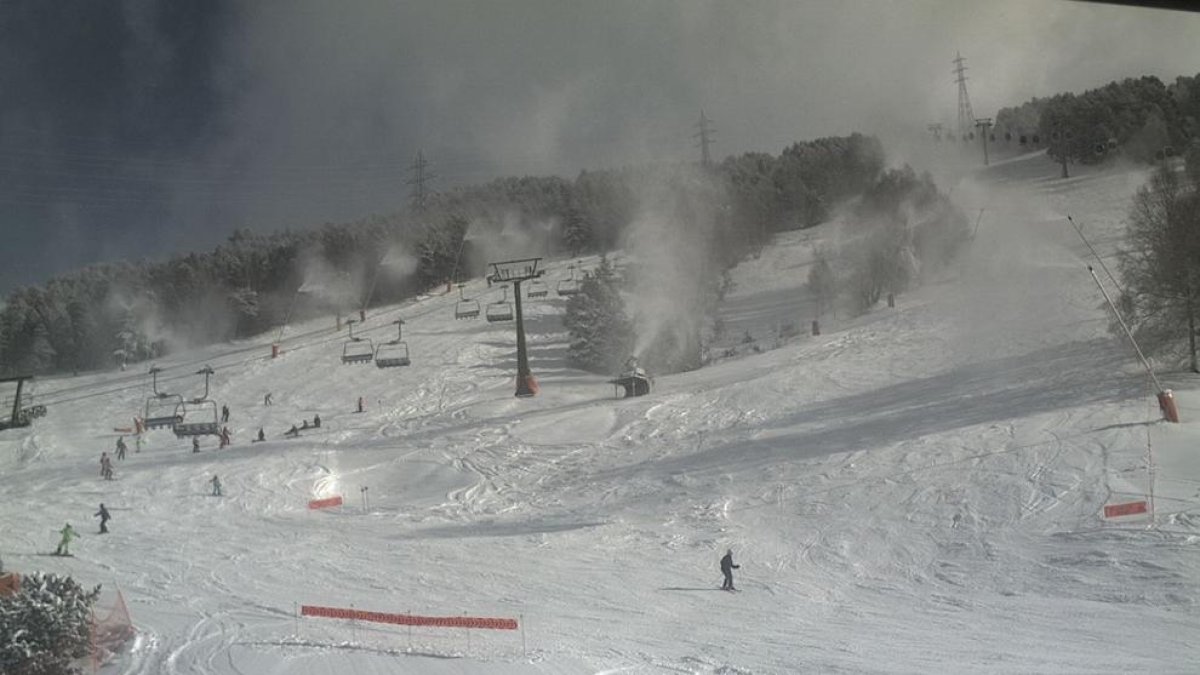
x: 537, y: 289
x: 570, y: 285
x: 160, y: 410
x: 357, y: 349
x: 394, y: 353
x: 198, y: 417
x: 466, y: 308
x: 500, y: 311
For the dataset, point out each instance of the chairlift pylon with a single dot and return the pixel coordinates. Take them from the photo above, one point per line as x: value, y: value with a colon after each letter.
x: 500, y: 311
x: 394, y: 353
x: 357, y: 349
x: 466, y: 308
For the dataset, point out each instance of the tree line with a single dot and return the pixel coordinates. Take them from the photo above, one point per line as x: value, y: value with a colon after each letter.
x: 1141, y: 118
x: 124, y: 312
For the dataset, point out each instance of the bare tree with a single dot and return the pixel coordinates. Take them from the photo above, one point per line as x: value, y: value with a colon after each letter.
x: 1161, y: 266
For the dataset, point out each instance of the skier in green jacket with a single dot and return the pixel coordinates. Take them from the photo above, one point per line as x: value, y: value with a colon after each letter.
x: 67, y: 535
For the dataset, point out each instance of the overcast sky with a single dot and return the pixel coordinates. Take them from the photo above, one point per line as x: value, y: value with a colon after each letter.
x: 145, y: 127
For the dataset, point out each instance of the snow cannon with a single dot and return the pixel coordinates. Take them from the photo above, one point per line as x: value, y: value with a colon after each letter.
x: 634, y: 380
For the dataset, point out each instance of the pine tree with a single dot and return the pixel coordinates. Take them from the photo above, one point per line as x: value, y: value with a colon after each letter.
x: 45, y: 626
x: 599, y: 328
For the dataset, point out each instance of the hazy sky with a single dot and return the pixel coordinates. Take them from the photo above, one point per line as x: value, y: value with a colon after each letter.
x: 144, y: 127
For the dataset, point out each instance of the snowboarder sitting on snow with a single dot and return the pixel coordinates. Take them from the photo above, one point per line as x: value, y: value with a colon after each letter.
x: 317, y: 421
x: 216, y: 483
x: 121, y: 448
x: 304, y: 424
x: 67, y: 535
x: 104, y: 518
x: 292, y: 433
x: 727, y: 568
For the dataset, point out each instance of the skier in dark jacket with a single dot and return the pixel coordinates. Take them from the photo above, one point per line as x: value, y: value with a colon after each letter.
x: 224, y: 414
x: 727, y: 568
x: 104, y: 518
x: 317, y: 421
x: 121, y: 448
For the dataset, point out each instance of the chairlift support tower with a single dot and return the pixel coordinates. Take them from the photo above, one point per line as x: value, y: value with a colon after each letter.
x: 20, y: 417
x: 514, y: 272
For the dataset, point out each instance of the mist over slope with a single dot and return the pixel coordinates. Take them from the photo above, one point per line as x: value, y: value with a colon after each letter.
x: 916, y: 489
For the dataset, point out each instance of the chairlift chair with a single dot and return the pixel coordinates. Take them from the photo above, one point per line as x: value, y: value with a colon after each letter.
x: 537, y: 289
x: 161, y: 410
x: 357, y: 349
x: 500, y: 311
x: 197, y: 417
x: 394, y: 353
x: 466, y: 308
x: 570, y: 285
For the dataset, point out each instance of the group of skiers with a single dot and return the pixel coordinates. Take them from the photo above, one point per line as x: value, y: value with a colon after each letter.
x: 295, y: 431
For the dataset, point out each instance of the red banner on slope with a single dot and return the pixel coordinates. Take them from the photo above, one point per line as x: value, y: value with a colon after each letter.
x: 410, y: 619
x: 1126, y: 509
x: 325, y: 503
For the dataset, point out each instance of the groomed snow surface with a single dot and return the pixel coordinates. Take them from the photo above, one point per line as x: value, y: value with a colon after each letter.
x: 917, y: 490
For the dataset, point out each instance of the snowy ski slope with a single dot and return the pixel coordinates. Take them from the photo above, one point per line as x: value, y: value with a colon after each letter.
x: 917, y: 490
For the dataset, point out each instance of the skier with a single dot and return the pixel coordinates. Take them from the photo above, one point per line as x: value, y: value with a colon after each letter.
x: 106, y: 471
x: 224, y: 437
x: 360, y: 404
x: 104, y: 518
x: 216, y: 486
x: 727, y: 568
x: 121, y: 448
x: 317, y: 421
x: 137, y: 445
x: 195, y: 444
x: 261, y: 435
x: 267, y: 399
x: 224, y: 414
x: 138, y: 424
x: 67, y: 535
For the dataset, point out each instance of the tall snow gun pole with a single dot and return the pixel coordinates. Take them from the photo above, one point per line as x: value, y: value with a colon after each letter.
x: 1166, y: 399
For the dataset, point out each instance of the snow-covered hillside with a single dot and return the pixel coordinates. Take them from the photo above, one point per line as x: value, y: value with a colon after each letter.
x: 916, y: 490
